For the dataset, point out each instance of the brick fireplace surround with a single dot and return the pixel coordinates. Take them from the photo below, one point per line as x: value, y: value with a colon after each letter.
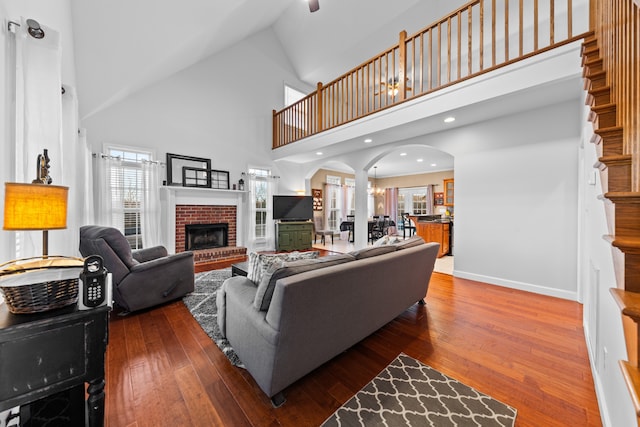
x: 204, y: 214
x: 187, y: 205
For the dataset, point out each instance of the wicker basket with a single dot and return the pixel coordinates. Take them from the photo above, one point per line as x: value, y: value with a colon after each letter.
x: 35, y: 285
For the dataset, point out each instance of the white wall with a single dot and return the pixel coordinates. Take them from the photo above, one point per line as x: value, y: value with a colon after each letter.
x: 218, y: 109
x: 516, y: 204
x: 602, y: 318
x: 516, y: 217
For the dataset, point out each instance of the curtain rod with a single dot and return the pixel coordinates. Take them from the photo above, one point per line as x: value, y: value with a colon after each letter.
x: 107, y: 156
x: 9, y: 26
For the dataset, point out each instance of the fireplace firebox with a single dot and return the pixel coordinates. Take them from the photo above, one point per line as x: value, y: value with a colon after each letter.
x: 206, y: 236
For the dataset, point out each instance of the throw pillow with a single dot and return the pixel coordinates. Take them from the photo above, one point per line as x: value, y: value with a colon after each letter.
x: 259, y: 263
x: 268, y: 283
x: 381, y: 241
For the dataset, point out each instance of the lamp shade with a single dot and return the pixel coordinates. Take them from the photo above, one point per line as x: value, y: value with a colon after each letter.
x: 35, y: 206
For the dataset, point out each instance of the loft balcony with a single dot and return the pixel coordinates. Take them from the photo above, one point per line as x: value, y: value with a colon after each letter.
x: 478, y: 38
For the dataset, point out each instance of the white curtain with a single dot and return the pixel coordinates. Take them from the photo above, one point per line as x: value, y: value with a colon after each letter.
x: 349, y: 207
x: 268, y: 242
x: 333, y: 204
x: 150, y: 204
x: 109, y: 203
x: 86, y: 164
x: 38, y: 119
x: 76, y: 175
x: 271, y: 229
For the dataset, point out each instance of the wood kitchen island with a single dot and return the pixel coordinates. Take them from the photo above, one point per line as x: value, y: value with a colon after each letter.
x: 434, y: 230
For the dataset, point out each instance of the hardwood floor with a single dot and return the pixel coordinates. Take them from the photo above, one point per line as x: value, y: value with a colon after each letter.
x: 523, y: 349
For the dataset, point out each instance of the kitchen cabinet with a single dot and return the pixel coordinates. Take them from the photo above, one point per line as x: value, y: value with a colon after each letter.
x: 448, y: 192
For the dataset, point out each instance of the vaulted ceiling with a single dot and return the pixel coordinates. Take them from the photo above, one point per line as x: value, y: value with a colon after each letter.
x: 124, y: 46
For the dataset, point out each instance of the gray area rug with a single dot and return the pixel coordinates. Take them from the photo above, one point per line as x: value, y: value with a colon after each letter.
x: 410, y: 393
x: 202, y: 305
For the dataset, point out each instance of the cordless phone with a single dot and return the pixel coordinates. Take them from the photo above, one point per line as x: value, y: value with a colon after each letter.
x: 93, y: 283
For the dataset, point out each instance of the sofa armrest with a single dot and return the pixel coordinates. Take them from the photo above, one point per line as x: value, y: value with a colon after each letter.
x: 221, y: 301
x: 253, y: 339
x: 239, y: 295
x: 148, y: 254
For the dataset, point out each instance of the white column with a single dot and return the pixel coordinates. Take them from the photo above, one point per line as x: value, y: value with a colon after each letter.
x: 361, y: 228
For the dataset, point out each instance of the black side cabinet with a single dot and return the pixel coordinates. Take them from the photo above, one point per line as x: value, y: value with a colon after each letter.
x: 53, y: 354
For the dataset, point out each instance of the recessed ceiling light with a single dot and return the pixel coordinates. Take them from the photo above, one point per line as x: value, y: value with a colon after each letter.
x: 403, y: 154
x: 368, y: 140
x: 419, y: 160
x: 319, y: 153
x: 433, y: 164
x: 450, y: 119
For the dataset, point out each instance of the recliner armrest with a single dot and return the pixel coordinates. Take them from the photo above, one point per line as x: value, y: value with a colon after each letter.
x: 158, y: 281
x: 166, y: 260
x: 148, y: 254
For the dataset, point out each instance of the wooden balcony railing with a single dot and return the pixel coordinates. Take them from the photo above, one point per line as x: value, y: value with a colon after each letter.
x: 479, y: 37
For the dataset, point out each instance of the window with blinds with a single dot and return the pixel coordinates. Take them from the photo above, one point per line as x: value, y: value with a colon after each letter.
x: 126, y: 189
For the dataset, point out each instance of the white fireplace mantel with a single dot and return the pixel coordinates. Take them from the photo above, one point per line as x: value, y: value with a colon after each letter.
x: 172, y: 196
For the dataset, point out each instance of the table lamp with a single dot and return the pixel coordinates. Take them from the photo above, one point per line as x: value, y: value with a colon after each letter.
x: 36, y: 206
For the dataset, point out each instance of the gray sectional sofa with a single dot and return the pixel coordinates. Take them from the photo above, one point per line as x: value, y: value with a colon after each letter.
x: 317, y: 309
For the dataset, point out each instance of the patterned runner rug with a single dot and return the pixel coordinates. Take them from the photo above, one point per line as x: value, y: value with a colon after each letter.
x: 410, y: 393
x: 202, y: 305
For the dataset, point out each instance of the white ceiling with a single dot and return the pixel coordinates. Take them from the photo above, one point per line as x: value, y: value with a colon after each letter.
x: 142, y: 42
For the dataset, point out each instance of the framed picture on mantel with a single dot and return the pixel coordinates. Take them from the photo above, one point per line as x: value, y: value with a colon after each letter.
x: 176, y: 163
x: 195, y: 177
x: 219, y: 179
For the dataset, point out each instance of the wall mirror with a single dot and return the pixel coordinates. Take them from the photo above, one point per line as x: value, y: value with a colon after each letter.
x: 176, y: 163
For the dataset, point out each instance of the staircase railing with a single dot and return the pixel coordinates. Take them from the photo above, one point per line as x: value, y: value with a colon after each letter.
x: 611, y: 62
x: 477, y: 38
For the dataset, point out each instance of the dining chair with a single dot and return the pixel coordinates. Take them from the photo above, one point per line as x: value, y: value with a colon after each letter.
x: 406, y: 225
x: 318, y: 230
x: 352, y: 219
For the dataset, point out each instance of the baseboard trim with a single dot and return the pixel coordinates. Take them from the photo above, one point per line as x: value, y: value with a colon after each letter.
x: 537, y: 289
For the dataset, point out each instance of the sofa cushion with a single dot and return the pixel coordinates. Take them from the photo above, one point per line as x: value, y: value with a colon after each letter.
x: 259, y: 263
x: 370, y: 251
x: 410, y: 242
x: 285, y: 269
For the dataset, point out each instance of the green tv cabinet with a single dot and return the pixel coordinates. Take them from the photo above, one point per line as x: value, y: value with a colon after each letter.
x: 293, y: 235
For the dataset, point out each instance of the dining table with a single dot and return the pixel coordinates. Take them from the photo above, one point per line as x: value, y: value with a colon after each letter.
x: 350, y: 225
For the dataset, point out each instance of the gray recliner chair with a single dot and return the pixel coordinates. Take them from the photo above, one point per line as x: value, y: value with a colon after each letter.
x: 141, y: 278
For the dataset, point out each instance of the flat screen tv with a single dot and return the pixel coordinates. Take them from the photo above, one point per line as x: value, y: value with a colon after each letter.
x: 293, y: 208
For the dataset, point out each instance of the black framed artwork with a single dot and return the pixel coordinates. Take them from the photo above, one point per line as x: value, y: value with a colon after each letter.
x: 195, y: 177
x: 219, y: 179
x: 176, y: 163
